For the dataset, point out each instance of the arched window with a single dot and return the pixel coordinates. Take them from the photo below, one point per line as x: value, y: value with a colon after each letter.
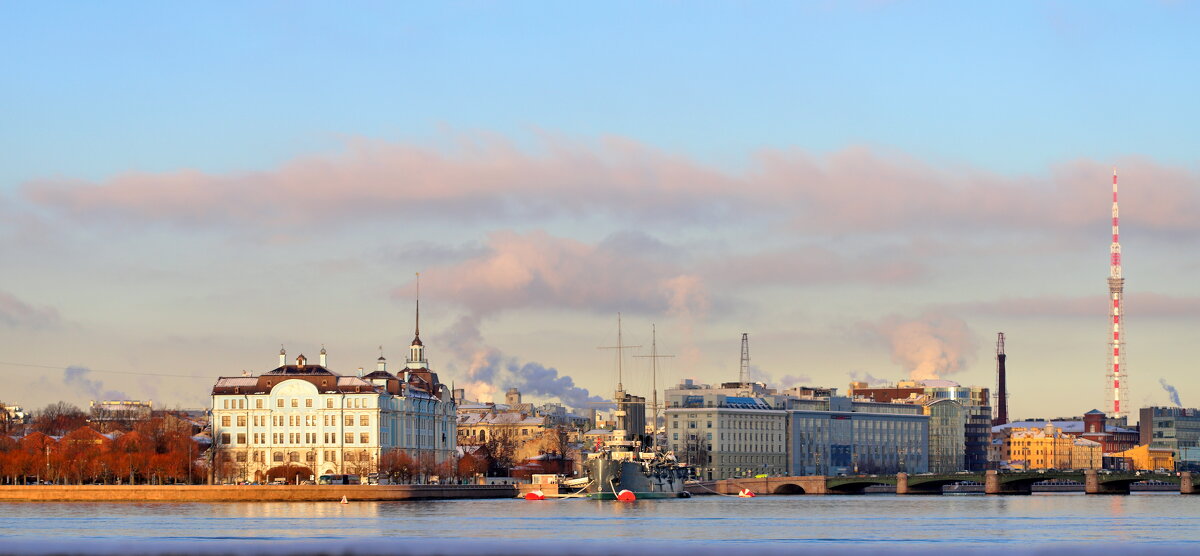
x: 278, y: 456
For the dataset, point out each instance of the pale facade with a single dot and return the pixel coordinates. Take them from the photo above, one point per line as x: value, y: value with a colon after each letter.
x: 300, y: 421
x: 741, y: 437
x: 1087, y: 454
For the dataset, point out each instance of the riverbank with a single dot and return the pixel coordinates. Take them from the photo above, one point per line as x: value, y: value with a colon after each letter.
x: 248, y: 493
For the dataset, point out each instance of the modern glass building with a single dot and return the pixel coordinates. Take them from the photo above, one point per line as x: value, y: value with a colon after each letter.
x: 836, y: 435
x: 1173, y: 428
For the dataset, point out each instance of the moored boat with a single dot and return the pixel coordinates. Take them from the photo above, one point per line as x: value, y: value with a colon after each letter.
x: 620, y: 465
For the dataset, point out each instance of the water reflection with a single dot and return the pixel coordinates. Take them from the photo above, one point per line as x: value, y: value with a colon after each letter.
x: 831, y: 520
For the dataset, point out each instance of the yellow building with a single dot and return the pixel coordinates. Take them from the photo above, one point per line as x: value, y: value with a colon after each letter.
x: 1048, y: 448
x: 1145, y: 458
x: 1087, y: 454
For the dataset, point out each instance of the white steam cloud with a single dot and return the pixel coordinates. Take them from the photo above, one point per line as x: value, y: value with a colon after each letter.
x: 929, y: 346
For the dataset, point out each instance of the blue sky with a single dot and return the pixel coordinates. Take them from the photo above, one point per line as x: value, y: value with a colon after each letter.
x: 700, y: 126
x: 1009, y: 86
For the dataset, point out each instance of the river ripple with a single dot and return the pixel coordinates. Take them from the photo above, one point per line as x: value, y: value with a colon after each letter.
x: 1050, y: 523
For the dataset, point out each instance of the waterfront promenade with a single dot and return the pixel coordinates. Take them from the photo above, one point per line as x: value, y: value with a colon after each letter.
x: 249, y: 493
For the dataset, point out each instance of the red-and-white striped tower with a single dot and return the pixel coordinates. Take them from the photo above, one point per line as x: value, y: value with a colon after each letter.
x: 1117, y: 377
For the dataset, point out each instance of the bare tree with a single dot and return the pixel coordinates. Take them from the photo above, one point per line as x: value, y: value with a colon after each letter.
x: 502, y: 447
x: 59, y: 418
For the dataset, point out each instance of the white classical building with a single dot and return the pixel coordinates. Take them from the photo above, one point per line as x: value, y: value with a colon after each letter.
x: 301, y: 420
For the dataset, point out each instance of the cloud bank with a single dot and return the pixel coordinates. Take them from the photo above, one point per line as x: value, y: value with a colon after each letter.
x: 483, y: 178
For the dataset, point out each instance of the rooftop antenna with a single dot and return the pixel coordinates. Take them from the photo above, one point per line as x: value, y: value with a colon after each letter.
x: 654, y: 357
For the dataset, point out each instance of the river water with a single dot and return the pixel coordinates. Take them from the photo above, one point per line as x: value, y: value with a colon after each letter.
x: 1055, y: 524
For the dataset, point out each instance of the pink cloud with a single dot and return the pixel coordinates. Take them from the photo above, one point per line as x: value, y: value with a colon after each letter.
x: 542, y: 271
x: 482, y: 178
x: 492, y: 179
x: 859, y: 190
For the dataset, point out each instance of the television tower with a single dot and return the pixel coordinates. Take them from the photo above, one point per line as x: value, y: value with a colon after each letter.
x: 1116, y: 291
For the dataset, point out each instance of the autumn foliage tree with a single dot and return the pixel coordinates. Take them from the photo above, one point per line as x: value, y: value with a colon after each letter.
x: 398, y: 465
x: 469, y: 466
x: 154, y: 452
x: 8, y: 463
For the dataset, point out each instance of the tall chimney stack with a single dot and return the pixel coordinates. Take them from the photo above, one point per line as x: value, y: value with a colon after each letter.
x: 1001, y: 384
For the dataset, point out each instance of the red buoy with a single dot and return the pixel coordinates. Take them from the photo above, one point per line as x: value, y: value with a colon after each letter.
x: 535, y: 495
x: 745, y: 493
x: 626, y: 496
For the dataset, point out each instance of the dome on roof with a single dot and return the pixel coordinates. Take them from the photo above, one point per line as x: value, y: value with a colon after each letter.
x: 417, y: 341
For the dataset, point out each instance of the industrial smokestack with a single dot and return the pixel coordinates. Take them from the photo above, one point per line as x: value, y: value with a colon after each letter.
x: 744, y: 372
x: 1001, y: 384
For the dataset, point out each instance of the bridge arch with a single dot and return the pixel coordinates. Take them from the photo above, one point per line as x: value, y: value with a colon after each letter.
x: 788, y: 488
x: 855, y: 485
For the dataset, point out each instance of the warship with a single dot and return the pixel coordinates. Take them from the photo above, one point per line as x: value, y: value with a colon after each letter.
x: 623, y: 468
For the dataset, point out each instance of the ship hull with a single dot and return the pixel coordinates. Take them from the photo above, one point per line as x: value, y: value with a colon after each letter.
x: 645, y: 480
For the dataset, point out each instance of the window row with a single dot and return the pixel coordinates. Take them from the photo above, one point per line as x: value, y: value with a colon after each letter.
x: 295, y: 438
x: 240, y: 403
x: 295, y: 420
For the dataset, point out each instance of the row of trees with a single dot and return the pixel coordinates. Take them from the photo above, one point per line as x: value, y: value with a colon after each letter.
x: 159, y: 450
x: 401, y: 467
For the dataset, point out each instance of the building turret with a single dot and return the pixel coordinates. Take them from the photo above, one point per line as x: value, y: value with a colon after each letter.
x: 416, y: 351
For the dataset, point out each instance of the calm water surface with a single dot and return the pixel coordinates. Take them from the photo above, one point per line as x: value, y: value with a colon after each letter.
x: 1052, y: 523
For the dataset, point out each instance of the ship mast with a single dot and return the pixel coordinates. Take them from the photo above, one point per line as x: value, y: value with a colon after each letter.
x: 654, y: 357
x: 620, y: 397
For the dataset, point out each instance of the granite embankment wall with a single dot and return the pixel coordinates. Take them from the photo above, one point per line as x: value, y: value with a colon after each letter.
x: 248, y: 493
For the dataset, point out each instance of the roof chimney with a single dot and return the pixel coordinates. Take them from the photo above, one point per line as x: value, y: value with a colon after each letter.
x: 282, y: 356
x: 322, y: 355
x: 360, y: 372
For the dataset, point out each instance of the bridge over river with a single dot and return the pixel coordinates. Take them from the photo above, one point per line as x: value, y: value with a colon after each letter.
x: 1094, y: 482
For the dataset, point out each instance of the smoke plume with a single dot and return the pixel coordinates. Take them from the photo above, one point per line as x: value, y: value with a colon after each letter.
x: 491, y: 371
x: 863, y: 376
x: 1171, y: 391
x: 929, y: 346
x: 75, y: 378
x: 15, y: 313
